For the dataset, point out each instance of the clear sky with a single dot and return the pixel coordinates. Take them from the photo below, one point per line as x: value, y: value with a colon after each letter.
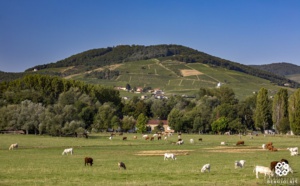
x: 35, y: 32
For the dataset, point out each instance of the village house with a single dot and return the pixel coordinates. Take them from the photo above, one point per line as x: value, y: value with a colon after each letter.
x: 155, y: 122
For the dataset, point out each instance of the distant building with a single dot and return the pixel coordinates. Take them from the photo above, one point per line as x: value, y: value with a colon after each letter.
x: 155, y: 122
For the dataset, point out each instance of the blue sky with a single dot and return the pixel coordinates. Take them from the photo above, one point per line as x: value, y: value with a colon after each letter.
x: 35, y: 32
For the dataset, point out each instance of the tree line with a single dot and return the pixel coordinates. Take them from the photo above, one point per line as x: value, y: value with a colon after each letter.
x: 50, y: 105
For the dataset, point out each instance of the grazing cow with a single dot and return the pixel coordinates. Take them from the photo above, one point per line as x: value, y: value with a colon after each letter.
x: 263, y: 170
x: 274, y: 163
x: 200, y: 139
x: 227, y: 133
x: 67, y: 151
x: 121, y: 165
x: 152, y: 138
x: 263, y: 146
x: 88, y: 160
x: 205, y: 167
x: 240, y: 143
x: 158, y: 137
x: 124, y: 138
x: 165, y: 138
x: 191, y: 140
x: 240, y: 163
x: 154, y: 135
x: 223, y: 143
x: 269, y: 144
x: 169, y: 156
x: 13, y: 146
x: 121, y: 133
x: 294, y: 151
x: 146, y: 138
x: 110, y: 138
x: 134, y: 137
x: 179, y: 142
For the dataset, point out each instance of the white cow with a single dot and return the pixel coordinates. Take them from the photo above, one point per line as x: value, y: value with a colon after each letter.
x: 263, y: 170
x: 145, y: 136
x: 154, y: 135
x: 13, y: 146
x: 191, y: 140
x: 263, y: 146
x: 110, y: 138
x: 179, y: 142
x: 205, y: 167
x: 67, y: 151
x: 169, y: 156
x: 223, y: 143
x: 240, y: 163
x: 294, y: 151
x: 165, y: 138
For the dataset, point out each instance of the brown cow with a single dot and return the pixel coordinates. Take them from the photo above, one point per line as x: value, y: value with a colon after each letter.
x: 152, y: 138
x: 134, y: 137
x: 200, y: 139
x: 240, y: 143
x: 158, y: 137
x: 274, y: 163
x: 121, y: 165
x: 269, y: 144
x: 124, y: 138
x: 146, y: 138
x: 88, y: 160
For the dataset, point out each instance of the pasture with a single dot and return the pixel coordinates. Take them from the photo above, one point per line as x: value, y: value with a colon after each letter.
x: 39, y: 160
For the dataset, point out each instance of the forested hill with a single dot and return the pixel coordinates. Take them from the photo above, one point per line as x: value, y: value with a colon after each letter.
x: 283, y: 69
x: 96, y: 58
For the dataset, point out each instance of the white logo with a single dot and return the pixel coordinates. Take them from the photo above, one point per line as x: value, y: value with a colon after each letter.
x: 282, y: 169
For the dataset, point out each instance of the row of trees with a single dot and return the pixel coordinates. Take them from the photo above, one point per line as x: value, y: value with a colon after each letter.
x: 50, y: 105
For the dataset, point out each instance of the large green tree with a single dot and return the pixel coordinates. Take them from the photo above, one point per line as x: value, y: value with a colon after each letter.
x: 262, y: 116
x: 294, y: 112
x: 141, y: 123
x: 280, y: 110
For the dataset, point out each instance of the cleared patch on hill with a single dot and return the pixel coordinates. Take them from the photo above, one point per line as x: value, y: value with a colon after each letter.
x: 188, y: 72
x: 162, y: 152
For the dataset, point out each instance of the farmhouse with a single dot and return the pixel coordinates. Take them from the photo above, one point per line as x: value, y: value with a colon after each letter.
x: 153, y: 123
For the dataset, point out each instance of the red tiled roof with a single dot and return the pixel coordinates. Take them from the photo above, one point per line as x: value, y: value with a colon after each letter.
x: 156, y: 122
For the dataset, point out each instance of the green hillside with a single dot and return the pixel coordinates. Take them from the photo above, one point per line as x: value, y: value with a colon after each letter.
x: 174, y: 69
x: 96, y: 58
x: 168, y: 76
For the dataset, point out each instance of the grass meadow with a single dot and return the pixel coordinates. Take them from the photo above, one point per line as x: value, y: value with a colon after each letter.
x: 39, y: 160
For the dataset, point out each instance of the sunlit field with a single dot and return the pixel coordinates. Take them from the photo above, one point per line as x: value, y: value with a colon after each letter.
x: 39, y: 160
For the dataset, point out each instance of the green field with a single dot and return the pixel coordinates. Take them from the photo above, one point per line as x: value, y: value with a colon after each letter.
x: 39, y: 160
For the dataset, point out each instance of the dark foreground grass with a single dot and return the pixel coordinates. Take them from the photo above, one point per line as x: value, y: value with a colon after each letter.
x: 39, y: 161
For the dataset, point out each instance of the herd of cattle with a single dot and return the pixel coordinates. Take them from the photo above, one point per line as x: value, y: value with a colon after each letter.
x: 237, y: 164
